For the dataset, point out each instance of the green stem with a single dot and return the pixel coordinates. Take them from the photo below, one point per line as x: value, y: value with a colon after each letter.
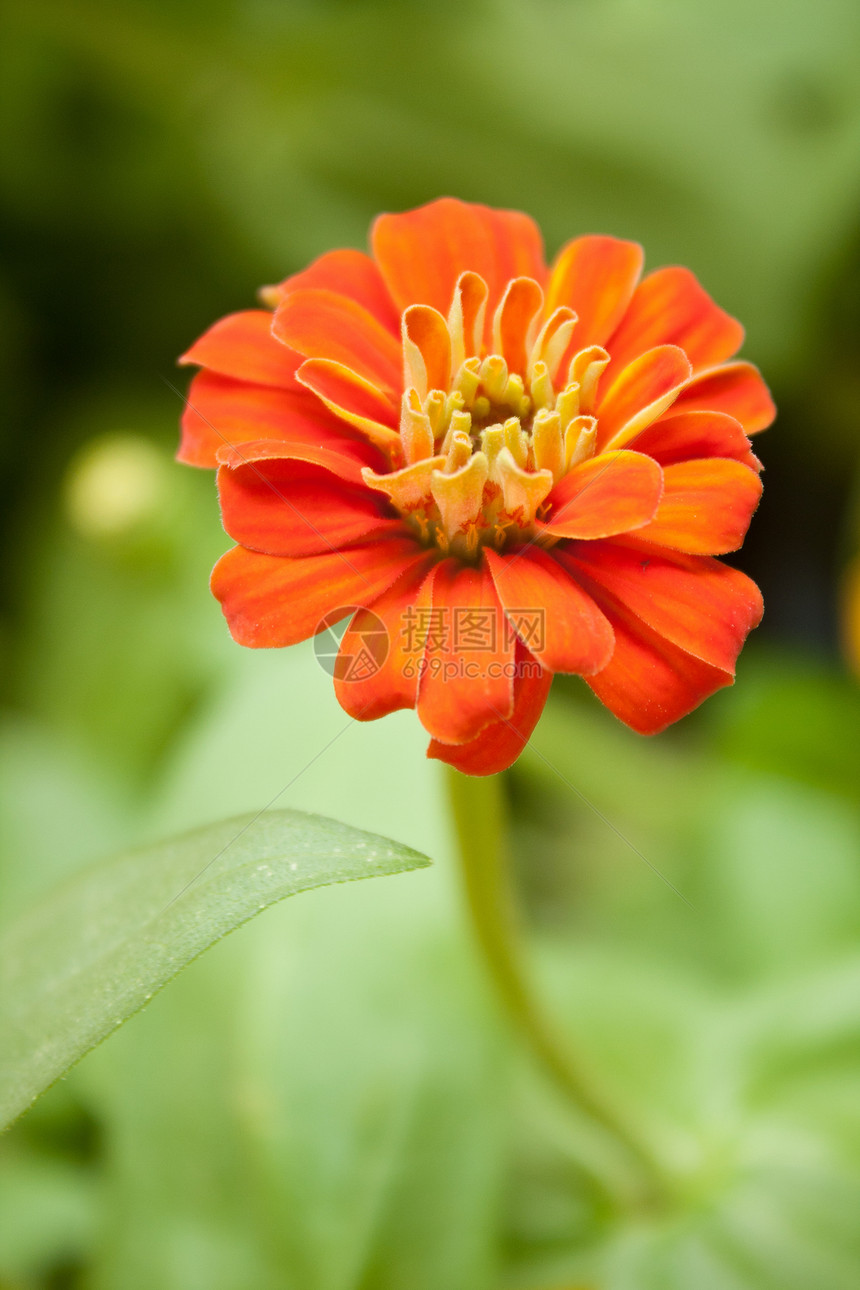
x: 479, y: 817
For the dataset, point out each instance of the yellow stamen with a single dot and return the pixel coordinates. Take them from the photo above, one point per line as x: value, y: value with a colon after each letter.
x: 468, y: 379
x: 459, y: 451
x: 515, y: 395
x: 543, y: 395
x: 459, y: 495
x: 523, y: 490
x: 492, y: 442
x: 517, y: 441
x: 454, y: 405
x: 434, y: 406
x: 567, y: 404
x: 460, y: 426
x: 579, y: 440
x: 416, y: 432
x: 586, y: 369
x: 552, y: 342
x: 494, y: 377
x: 547, y: 445
x: 407, y: 488
x: 487, y: 435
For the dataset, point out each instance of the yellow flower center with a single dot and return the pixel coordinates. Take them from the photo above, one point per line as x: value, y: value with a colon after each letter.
x: 486, y: 435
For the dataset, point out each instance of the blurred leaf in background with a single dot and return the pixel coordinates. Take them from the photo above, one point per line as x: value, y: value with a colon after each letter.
x: 78, y: 965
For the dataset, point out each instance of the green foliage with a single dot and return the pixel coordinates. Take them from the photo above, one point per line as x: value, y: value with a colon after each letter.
x: 725, y: 1022
x: 96, y: 951
x: 321, y: 1098
x: 327, y: 1099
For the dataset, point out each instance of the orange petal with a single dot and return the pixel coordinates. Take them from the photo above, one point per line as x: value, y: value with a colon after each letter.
x: 467, y: 673
x: 402, y: 611
x: 684, y: 436
x: 596, y: 277
x: 650, y: 682
x: 292, y: 508
x: 670, y: 307
x: 221, y: 415
x: 552, y: 343
x: 706, y: 506
x: 341, y: 459
x: 352, y: 399
x: 242, y: 346
x: 517, y: 310
x: 271, y: 600
x: 408, y: 487
x: 349, y: 273
x: 322, y: 324
x: 426, y: 350
x: 466, y: 317
x: 499, y: 745
x: 639, y: 394
x: 608, y: 494
x: 700, y: 605
x: 422, y: 252
x: 561, y: 626
x: 736, y: 389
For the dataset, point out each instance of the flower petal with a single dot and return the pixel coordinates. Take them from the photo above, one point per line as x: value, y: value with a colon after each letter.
x: 352, y: 399
x: 402, y: 611
x: 706, y: 506
x: 512, y: 325
x: 561, y: 626
x: 639, y: 394
x: 242, y: 346
x: 341, y: 457
x: 223, y: 416
x: 650, y: 682
x: 499, y: 745
x: 596, y: 277
x: 702, y: 606
x: 608, y: 494
x: 670, y: 307
x: 467, y: 674
x: 422, y: 252
x: 349, y: 273
x: 684, y: 436
x: 286, y: 507
x: 737, y: 389
x: 271, y: 600
x: 323, y: 324
x: 426, y: 350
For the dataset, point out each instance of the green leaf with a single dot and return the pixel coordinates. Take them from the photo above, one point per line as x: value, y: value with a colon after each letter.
x: 337, y: 1069
x: 76, y: 967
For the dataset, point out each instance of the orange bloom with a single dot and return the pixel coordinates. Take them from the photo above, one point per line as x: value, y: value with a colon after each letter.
x: 512, y: 470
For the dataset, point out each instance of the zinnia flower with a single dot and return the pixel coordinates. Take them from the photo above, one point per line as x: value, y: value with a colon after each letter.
x: 509, y: 470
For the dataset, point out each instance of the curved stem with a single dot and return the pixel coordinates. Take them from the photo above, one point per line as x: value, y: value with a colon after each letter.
x: 479, y: 817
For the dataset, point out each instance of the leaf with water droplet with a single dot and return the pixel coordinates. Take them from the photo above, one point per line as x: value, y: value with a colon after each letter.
x: 95, y: 951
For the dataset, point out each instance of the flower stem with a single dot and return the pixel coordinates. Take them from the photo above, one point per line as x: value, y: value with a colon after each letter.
x: 479, y: 818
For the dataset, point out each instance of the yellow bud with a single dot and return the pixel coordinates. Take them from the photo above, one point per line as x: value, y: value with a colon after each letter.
x: 579, y: 440
x: 547, y: 443
x: 517, y: 441
x: 459, y: 495
x: 543, y: 395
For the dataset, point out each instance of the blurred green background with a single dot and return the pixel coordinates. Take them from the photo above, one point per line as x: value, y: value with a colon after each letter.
x: 330, y: 1099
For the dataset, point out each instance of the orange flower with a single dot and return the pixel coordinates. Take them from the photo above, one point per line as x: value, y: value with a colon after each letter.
x: 511, y: 470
